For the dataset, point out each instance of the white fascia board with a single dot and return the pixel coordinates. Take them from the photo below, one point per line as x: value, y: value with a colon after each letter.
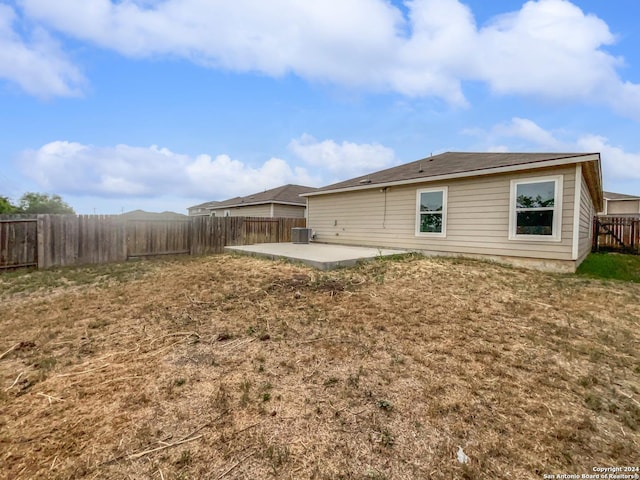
x: 632, y: 199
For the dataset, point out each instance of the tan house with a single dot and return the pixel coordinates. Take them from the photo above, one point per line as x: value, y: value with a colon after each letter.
x: 620, y: 204
x: 202, y: 209
x: 529, y: 209
x: 284, y: 201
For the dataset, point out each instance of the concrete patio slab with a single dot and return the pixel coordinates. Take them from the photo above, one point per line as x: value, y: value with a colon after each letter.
x: 318, y: 255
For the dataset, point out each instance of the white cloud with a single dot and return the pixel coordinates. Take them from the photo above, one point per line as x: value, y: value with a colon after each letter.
x: 329, y: 40
x: 525, y: 129
x: 37, y: 66
x: 126, y: 171
x: 617, y: 164
x: 146, y: 172
x: 548, y: 48
x: 343, y: 160
x: 74, y: 168
x: 236, y: 178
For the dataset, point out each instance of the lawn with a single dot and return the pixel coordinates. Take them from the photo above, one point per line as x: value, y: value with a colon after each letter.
x: 611, y: 265
x: 227, y: 367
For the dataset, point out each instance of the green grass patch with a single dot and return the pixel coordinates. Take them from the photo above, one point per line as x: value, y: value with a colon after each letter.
x: 615, y: 266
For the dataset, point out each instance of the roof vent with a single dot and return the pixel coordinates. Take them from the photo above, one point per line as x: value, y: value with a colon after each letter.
x: 365, y: 180
x: 420, y: 170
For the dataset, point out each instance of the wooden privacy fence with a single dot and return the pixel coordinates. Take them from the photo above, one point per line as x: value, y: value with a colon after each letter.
x: 18, y: 241
x: 158, y: 237
x: 212, y: 234
x: 616, y: 234
x: 78, y: 240
x: 59, y: 240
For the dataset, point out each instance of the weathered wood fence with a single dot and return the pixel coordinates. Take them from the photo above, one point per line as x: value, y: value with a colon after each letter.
x: 59, y: 240
x: 620, y: 234
x: 212, y: 234
x: 18, y: 241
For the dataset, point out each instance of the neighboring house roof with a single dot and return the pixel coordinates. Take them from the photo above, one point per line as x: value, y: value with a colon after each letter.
x: 619, y: 196
x: 205, y: 205
x: 286, y: 194
x: 142, y: 215
x: 467, y: 164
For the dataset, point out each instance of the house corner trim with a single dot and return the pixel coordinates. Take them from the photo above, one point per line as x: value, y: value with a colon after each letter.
x: 577, y: 197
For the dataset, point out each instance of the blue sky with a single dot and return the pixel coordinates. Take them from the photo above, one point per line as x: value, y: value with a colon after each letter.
x: 163, y: 104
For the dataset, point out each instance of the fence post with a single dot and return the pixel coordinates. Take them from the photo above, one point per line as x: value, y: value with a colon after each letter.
x: 40, y: 234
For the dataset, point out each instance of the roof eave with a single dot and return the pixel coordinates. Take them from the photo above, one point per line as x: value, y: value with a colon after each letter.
x: 269, y: 202
x: 467, y: 174
x: 592, y: 172
x: 627, y: 199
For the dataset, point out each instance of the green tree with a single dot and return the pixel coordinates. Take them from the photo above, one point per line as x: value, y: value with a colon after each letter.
x: 32, y: 202
x: 6, y: 206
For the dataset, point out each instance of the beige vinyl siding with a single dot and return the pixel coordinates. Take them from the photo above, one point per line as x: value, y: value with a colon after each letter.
x: 587, y: 210
x: 195, y: 212
x: 477, y: 218
x: 623, y: 207
x: 289, y: 211
x: 263, y: 210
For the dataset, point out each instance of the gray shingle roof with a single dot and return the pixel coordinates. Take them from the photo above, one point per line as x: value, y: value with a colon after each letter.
x: 450, y: 163
x: 289, y: 194
x: 205, y: 205
x: 619, y: 196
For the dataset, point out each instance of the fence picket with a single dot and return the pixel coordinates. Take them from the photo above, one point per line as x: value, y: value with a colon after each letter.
x: 617, y: 234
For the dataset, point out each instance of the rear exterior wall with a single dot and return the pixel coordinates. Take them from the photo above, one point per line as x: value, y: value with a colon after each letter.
x: 623, y: 207
x: 263, y: 210
x: 477, y: 223
x: 289, y: 211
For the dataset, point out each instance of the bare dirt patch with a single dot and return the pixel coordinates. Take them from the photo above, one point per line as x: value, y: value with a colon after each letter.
x: 237, y: 367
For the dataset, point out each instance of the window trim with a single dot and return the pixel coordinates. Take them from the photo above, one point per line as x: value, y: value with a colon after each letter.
x: 556, y: 235
x: 445, y: 192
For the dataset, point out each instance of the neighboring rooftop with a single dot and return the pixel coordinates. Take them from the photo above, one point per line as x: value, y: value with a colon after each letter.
x: 211, y: 204
x: 286, y: 194
x: 619, y: 196
x: 453, y: 163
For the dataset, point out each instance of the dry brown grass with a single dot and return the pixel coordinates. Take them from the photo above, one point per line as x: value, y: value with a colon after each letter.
x: 235, y: 367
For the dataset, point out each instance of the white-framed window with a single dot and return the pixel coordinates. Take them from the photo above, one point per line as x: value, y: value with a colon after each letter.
x: 535, y: 209
x: 431, y: 212
x: 227, y: 213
